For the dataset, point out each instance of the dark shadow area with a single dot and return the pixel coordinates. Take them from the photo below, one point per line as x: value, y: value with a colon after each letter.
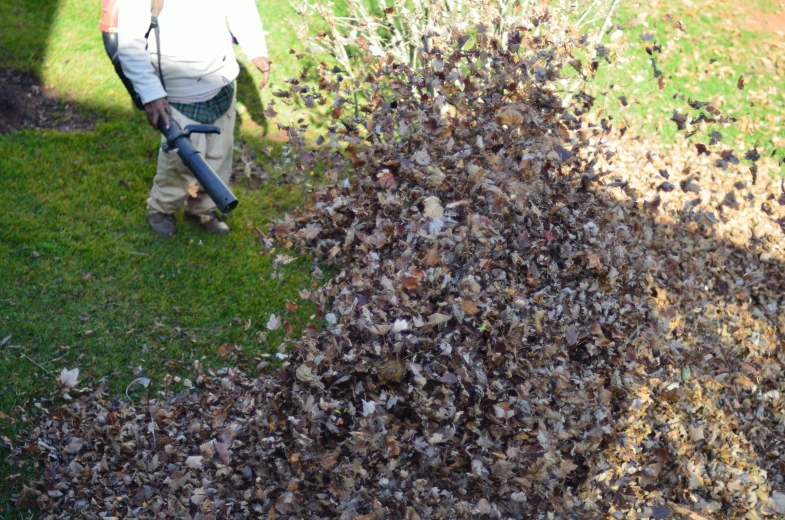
x: 703, y: 358
x: 696, y: 367
x: 27, y: 100
x: 26, y: 27
x: 248, y: 94
x: 25, y: 103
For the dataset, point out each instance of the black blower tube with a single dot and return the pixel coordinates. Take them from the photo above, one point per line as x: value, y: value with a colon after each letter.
x: 178, y: 138
x: 110, y: 45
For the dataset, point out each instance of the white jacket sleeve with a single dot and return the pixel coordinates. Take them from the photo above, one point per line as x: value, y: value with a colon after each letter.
x: 246, y: 25
x: 132, y: 24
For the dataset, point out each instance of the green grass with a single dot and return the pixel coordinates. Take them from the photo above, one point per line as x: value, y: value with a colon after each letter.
x: 703, y: 63
x: 105, y: 294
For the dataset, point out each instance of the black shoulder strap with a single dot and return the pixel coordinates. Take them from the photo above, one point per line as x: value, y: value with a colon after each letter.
x: 155, y: 9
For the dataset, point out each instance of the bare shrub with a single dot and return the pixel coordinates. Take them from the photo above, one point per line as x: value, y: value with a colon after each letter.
x: 356, y: 33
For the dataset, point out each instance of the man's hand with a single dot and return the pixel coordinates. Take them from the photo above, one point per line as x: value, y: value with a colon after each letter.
x: 157, y: 109
x: 263, y: 64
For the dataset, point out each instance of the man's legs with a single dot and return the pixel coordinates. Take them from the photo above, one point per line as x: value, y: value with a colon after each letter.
x: 170, y: 186
x: 218, y: 154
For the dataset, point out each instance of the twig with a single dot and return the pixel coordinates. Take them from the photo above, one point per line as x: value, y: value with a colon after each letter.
x: 586, y: 13
x: 605, y: 26
x: 33, y: 361
x: 58, y: 358
x: 140, y: 381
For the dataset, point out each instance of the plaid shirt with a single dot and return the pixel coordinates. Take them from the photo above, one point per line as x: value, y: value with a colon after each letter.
x: 207, y: 112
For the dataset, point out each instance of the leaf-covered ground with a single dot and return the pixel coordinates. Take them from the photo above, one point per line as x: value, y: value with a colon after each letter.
x: 699, y: 49
x: 535, y: 316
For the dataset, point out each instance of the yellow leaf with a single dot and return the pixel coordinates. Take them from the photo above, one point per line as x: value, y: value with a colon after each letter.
x: 432, y: 256
x: 538, y: 316
x: 509, y: 116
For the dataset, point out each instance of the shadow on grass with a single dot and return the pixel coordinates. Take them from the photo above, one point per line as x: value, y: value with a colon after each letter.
x: 25, y: 50
x: 249, y: 95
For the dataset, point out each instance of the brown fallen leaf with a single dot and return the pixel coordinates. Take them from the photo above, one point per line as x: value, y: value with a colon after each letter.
x: 509, y: 116
x: 470, y: 307
x: 391, y: 371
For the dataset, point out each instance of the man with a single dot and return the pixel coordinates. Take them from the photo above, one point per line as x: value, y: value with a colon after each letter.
x: 195, y: 84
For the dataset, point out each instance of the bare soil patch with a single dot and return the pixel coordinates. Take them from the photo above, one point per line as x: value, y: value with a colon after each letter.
x: 757, y: 20
x: 25, y: 103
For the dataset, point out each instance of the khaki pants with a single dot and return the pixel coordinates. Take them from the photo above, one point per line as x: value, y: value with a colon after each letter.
x: 170, y: 186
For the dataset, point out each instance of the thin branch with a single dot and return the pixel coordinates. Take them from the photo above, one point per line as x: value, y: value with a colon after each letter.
x: 586, y: 13
x: 33, y: 361
x: 605, y: 26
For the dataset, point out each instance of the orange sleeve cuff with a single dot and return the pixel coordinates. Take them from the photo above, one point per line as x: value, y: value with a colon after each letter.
x: 109, y: 11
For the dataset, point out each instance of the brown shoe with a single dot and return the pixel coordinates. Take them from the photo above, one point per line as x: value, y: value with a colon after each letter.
x: 161, y: 223
x: 211, y: 222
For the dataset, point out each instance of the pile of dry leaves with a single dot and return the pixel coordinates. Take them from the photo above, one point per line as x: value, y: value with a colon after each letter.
x: 532, y: 319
